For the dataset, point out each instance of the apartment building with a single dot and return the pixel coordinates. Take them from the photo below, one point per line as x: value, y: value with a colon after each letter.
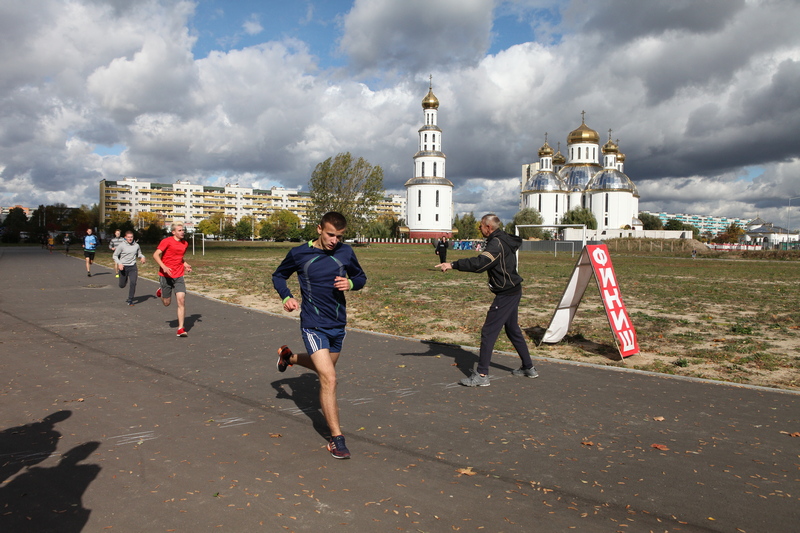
x: 190, y: 203
x: 714, y: 225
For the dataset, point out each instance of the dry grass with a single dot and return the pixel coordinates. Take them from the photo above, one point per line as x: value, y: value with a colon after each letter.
x: 716, y: 317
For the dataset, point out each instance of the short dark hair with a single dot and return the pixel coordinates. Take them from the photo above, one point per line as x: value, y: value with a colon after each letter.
x: 335, y: 219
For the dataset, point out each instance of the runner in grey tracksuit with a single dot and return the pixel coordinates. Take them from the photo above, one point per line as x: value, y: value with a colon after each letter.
x: 125, y: 256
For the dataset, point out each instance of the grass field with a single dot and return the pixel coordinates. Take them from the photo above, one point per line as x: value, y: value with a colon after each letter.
x: 712, y: 317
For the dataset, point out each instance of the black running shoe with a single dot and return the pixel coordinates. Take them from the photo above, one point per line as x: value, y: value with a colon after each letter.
x: 338, y: 448
x: 284, y: 353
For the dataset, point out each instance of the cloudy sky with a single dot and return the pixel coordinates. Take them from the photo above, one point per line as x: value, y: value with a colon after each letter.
x: 703, y: 95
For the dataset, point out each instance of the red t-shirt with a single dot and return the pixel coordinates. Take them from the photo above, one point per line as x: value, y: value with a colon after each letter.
x: 172, y: 256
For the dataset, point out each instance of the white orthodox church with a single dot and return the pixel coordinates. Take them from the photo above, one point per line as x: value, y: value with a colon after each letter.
x: 558, y: 183
x: 429, y: 194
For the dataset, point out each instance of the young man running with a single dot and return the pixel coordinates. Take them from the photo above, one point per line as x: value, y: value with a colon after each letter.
x: 169, y: 256
x: 325, y: 268
x: 125, y: 255
x: 89, y: 246
x: 115, y: 241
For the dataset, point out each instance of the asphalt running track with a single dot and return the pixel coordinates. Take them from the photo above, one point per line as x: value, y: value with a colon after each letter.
x: 112, y: 423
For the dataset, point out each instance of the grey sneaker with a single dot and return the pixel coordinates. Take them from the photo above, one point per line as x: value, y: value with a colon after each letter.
x: 476, y: 380
x: 526, y: 372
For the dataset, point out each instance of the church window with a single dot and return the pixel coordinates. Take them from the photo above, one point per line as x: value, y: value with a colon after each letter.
x: 437, y: 218
x: 606, y: 204
x: 423, y: 169
x: 540, y: 203
x: 434, y: 169
x: 426, y: 137
x: 579, y: 152
x: 419, y: 217
x: 437, y: 201
x: 556, y: 204
x: 419, y: 198
x: 425, y: 148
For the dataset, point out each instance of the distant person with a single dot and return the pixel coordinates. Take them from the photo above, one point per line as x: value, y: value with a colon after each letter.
x: 325, y: 268
x: 169, y: 256
x: 51, y: 243
x: 694, y: 253
x: 499, y: 261
x: 441, y: 249
x: 115, y: 241
x: 67, y: 242
x: 89, y: 246
x: 125, y: 256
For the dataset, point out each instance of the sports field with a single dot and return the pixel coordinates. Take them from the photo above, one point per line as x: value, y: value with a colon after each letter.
x: 712, y: 317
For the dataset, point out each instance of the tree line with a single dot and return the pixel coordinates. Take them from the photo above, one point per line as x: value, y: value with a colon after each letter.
x: 344, y: 183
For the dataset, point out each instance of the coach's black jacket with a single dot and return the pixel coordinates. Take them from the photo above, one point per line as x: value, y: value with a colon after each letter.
x: 498, y: 260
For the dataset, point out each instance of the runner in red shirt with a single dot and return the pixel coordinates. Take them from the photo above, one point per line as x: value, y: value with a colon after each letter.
x: 169, y: 256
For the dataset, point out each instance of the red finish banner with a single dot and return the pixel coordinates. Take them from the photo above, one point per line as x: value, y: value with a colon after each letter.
x: 618, y: 317
x: 594, y: 259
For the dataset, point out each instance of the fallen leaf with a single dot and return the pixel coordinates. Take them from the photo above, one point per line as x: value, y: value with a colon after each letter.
x: 793, y: 434
x: 659, y: 447
x: 658, y: 418
x: 587, y: 443
x: 275, y: 435
x: 466, y: 471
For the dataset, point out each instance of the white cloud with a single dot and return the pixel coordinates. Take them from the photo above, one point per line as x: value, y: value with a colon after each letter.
x: 693, y: 100
x: 252, y: 26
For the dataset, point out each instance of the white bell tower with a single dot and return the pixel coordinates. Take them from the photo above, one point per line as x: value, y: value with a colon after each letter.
x: 429, y: 194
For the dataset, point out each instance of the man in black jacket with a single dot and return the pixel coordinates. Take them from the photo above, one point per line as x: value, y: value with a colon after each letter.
x: 499, y: 261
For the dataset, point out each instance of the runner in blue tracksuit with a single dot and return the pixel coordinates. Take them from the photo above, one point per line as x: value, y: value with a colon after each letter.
x: 325, y: 268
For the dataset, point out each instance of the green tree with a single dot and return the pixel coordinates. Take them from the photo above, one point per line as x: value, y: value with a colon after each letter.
x: 580, y: 215
x: 467, y: 227
x: 353, y: 187
x: 650, y: 222
x: 673, y: 224
x: 281, y: 225
x: 383, y: 227
x: 153, y: 234
x: 245, y: 228
x: 730, y: 235
x: 15, y: 222
x: 526, y: 216
x: 694, y: 229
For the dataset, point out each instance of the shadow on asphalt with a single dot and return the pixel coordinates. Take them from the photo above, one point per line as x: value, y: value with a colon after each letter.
x: 303, y: 390
x: 464, y: 360
x: 188, y: 322
x: 43, y: 498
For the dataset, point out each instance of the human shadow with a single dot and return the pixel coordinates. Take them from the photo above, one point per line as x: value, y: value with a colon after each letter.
x: 188, y: 322
x: 142, y: 299
x: 463, y: 359
x: 50, y: 499
x: 28, y: 445
x: 303, y: 390
x: 603, y: 350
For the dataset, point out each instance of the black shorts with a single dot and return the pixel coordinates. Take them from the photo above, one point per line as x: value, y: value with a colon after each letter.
x: 90, y: 255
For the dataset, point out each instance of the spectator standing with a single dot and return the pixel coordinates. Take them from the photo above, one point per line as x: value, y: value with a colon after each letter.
x: 499, y: 261
x: 441, y: 249
x: 115, y: 241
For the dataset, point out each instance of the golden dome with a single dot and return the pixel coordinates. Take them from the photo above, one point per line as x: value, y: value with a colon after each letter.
x: 559, y: 158
x: 545, y: 150
x: 584, y: 134
x: 430, y: 101
x: 610, y: 147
